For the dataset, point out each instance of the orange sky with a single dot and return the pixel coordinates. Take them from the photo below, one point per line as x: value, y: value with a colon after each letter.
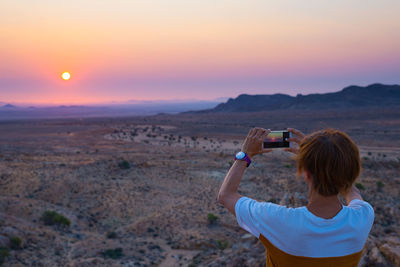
x: 120, y: 50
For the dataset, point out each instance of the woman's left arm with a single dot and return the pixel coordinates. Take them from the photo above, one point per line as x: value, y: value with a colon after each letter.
x: 228, y: 193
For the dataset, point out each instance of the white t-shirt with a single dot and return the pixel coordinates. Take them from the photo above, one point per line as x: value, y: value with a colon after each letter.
x: 298, y: 232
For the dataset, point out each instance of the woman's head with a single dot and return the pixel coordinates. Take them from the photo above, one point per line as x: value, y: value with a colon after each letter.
x: 331, y: 158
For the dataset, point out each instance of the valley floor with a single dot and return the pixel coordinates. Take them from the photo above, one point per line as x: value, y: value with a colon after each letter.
x: 142, y: 191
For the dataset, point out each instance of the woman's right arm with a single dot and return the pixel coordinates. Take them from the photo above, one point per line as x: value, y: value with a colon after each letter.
x: 352, y: 194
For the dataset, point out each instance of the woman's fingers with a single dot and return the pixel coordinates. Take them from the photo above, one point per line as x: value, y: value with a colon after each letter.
x: 251, y: 132
x: 258, y: 132
x: 296, y: 132
x: 253, y: 143
x: 262, y: 134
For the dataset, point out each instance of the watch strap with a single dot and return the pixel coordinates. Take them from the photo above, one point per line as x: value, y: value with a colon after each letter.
x: 246, y: 158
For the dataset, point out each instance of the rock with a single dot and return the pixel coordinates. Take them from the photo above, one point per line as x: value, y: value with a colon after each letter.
x: 391, y: 252
x: 393, y: 240
x: 376, y: 257
x: 9, y: 231
x: 4, y: 241
x: 246, y: 236
x: 238, y: 261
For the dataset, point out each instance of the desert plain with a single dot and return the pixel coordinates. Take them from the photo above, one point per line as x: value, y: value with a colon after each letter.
x: 141, y: 191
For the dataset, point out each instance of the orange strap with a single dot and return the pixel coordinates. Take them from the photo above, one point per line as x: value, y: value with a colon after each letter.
x: 278, y: 258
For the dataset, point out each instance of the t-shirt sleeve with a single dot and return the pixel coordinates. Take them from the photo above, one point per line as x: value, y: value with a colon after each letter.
x: 253, y: 216
x: 364, y: 209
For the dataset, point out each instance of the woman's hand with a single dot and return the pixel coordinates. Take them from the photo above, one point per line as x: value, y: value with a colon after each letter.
x: 253, y: 143
x: 297, y: 137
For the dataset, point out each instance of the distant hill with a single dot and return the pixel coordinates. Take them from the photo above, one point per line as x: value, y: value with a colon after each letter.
x: 374, y: 95
x: 139, y: 108
x: 9, y: 106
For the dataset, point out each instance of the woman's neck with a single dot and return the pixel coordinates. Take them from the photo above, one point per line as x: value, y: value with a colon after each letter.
x: 322, y: 206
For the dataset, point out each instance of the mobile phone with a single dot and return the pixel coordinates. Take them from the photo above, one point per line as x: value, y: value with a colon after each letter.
x: 276, y: 139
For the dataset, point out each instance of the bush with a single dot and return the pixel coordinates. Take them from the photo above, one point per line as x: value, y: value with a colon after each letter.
x: 124, y: 165
x: 54, y: 218
x: 360, y: 186
x: 211, y: 218
x: 113, y: 253
x: 4, y: 253
x: 222, y: 244
x: 15, y: 242
x: 380, y: 185
x: 111, y: 235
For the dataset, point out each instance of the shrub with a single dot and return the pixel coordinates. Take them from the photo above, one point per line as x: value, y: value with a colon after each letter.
x: 222, y: 244
x: 380, y: 185
x: 4, y: 253
x: 287, y: 165
x: 111, y: 235
x: 360, y: 186
x: 15, y: 242
x: 211, y: 218
x: 54, y: 218
x: 124, y: 165
x: 113, y: 253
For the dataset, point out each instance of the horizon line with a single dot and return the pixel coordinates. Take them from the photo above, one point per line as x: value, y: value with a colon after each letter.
x: 172, y: 100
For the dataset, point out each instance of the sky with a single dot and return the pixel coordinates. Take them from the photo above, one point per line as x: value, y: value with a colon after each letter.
x: 119, y: 50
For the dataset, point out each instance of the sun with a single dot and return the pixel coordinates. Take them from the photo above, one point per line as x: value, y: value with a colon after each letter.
x: 66, y: 76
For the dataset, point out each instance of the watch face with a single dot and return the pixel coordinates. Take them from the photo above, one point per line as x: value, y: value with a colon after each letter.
x: 240, y: 155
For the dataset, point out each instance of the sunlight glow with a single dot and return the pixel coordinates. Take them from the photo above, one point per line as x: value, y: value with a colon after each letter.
x: 66, y: 76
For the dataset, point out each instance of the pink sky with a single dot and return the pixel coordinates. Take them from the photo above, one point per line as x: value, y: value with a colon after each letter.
x: 120, y: 50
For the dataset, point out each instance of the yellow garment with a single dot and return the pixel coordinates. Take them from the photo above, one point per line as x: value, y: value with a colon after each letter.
x: 278, y: 258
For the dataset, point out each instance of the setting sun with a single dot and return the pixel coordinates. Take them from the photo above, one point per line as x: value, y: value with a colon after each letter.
x: 66, y: 76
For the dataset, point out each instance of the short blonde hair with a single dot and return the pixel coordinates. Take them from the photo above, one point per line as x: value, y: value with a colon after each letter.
x: 333, y: 160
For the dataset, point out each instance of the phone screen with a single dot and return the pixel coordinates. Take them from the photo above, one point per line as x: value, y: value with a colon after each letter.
x: 277, y: 139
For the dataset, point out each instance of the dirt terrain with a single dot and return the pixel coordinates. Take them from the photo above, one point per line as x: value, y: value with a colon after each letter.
x: 141, y: 191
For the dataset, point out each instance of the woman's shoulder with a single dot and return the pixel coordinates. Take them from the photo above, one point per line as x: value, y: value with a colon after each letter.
x: 269, y: 210
x: 360, y: 211
x: 361, y: 205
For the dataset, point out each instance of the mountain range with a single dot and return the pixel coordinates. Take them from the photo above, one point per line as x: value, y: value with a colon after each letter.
x: 131, y: 108
x: 374, y: 95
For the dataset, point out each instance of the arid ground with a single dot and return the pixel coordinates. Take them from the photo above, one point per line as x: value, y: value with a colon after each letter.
x: 141, y: 191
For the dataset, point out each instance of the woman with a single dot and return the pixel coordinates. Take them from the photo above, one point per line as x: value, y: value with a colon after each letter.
x: 323, y: 233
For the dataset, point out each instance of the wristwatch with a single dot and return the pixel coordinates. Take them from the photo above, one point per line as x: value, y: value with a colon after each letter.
x: 243, y: 156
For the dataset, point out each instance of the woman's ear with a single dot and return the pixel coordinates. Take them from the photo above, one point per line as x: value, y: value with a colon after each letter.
x: 307, y: 176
